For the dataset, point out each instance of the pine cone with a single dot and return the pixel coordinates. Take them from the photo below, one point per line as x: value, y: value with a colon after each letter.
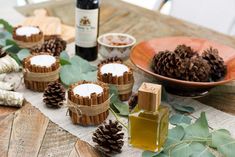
x: 54, y: 95
x: 184, y: 51
x: 198, y: 70
x: 109, y: 138
x: 218, y: 67
x: 110, y: 60
x: 2, y: 52
x: 169, y: 64
x: 54, y: 46
x: 133, y: 101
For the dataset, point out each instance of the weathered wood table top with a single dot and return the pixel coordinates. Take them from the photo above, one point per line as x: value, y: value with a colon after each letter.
x: 27, y: 132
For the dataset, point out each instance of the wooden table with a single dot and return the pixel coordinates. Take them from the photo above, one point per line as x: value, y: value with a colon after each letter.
x: 26, y: 132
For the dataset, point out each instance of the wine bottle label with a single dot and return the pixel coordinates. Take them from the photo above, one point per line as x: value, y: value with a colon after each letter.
x: 86, y: 27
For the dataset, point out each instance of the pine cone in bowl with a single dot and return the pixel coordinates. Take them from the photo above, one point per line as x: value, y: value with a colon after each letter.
x: 184, y: 51
x: 167, y: 63
x: 198, y: 70
x: 218, y: 67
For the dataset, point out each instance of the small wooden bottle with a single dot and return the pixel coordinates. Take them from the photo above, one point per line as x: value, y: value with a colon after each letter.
x: 148, y: 123
x: 114, y: 72
x: 40, y: 70
x: 88, y: 103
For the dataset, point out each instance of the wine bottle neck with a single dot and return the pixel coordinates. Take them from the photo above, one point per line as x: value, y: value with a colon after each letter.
x: 88, y: 4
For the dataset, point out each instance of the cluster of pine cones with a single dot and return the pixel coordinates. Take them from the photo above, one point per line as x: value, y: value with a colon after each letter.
x: 53, y: 45
x: 186, y: 64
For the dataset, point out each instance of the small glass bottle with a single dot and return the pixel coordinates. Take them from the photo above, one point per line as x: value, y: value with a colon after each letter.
x: 148, y: 122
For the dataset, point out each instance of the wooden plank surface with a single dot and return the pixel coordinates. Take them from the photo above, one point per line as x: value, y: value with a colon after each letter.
x: 28, y: 129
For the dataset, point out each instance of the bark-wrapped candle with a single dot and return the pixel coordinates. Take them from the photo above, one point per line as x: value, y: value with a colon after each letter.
x: 40, y: 70
x: 28, y: 36
x: 114, y: 72
x: 88, y: 103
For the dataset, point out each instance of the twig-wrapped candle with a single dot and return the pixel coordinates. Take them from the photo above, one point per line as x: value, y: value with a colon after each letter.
x: 39, y: 70
x: 88, y: 103
x: 113, y: 71
x: 28, y: 36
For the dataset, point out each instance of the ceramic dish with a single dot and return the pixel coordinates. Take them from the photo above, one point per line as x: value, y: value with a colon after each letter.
x: 115, y: 45
x: 143, y: 53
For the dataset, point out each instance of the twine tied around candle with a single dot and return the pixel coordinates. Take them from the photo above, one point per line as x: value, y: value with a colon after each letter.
x: 41, y: 77
x: 92, y: 110
x: 124, y: 88
x: 23, y: 44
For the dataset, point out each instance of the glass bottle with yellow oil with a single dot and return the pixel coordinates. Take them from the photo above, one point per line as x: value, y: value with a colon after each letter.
x: 148, y: 122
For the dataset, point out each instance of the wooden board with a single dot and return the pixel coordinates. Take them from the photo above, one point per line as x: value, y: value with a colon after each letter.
x: 50, y: 25
x: 28, y: 133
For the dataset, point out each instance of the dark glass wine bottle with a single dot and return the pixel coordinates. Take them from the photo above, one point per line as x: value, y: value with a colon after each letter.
x: 87, y: 28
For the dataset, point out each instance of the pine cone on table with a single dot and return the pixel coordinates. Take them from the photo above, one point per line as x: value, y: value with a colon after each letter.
x: 54, y: 95
x: 184, y: 51
x: 109, y: 138
x: 2, y: 52
x: 169, y: 64
x: 218, y: 67
x: 54, y: 46
x: 198, y: 70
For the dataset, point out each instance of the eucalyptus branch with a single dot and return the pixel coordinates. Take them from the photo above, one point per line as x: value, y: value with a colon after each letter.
x: 117, y: 118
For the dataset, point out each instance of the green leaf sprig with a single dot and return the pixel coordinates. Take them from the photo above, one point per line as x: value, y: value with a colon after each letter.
x: 195, y: 140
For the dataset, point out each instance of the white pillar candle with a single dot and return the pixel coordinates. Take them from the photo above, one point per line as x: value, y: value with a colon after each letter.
x: 27, y: 31
x: 87, y: 89
x: 43, y: 60
x: 116, y: 69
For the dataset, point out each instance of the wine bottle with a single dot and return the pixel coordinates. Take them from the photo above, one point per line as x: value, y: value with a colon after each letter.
x: 87, y: 28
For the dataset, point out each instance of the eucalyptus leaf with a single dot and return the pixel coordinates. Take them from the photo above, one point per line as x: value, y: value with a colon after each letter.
x: 4, y: 36
x: 149, y: 154
x: 15, y: 48
x: 182, y: 108
x: 6, y: 25
x: 181, y: 150
x: 224, y: 143
x: 5, y: 48
x: 78, y: 70
x: 175, y: 135
x: 15, y: 57
x: 64, y: 58
x: 200, y: 150
x: 179, y: 119
x: 121, y: 108
x: 64, y: 62
x: 199, y: 130
x: 23, y: 53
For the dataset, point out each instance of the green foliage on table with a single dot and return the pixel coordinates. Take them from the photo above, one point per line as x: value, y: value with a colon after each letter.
x: 23, y: 53
x: 179, y: 119
x: 6, y: 26
x: 195, y: 140
x: 76, y: 69
x: 116, y: 104
x: 182, y: 108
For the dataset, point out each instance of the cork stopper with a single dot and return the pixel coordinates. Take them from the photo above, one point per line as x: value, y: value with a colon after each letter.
x: 149, y: 96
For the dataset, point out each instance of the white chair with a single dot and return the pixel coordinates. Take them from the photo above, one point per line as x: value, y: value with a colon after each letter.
x: 149, y: 4
x: 214, y: 14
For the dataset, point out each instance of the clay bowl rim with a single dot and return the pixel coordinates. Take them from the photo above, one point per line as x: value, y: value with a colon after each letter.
x: 116, y: 34
x: 173, y: 80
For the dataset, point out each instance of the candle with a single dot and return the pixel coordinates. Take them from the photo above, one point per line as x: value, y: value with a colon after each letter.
x: 87, y: 89
x: 43, y: 60
x: 27, y: 31
x: 116, y: 69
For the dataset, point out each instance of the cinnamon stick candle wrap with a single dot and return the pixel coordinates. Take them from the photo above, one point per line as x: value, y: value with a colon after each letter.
x: 28, y: 36
x: 40, y: 70
x: 122, y: 79
x: 90, y: 106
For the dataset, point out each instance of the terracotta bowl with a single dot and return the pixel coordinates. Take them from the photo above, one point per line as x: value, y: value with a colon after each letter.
x: 115, y: 45
x: 143, y: 53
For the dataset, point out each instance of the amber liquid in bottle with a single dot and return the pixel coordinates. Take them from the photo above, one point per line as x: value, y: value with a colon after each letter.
x: 148, y: 130
x: 87, y: 28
